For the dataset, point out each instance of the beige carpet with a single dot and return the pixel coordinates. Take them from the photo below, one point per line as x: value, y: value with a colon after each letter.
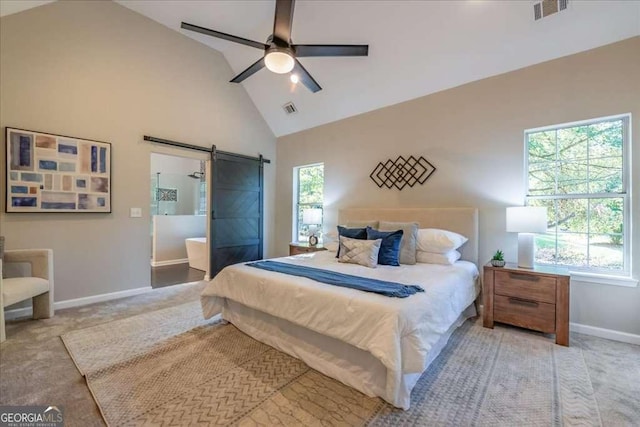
x: 170, y: 367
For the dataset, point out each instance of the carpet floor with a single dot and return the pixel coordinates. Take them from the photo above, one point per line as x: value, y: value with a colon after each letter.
x: 137, y: 356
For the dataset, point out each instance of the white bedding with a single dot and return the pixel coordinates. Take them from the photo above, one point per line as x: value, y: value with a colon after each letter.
x: 399, y: 332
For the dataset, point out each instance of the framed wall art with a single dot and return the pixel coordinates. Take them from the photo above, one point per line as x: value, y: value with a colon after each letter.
x: 56, y: 173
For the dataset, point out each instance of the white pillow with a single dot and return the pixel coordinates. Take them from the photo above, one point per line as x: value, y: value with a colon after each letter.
x: 447, y: 258
x: 331, y: 246
x: 358, y: 251
x: 330, y: 241
x: 439, y: 241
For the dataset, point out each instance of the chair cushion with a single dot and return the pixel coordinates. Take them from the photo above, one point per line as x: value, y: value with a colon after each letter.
x: 19, y: 289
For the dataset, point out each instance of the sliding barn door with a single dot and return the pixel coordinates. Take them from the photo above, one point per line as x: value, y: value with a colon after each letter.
x: 236, y: 210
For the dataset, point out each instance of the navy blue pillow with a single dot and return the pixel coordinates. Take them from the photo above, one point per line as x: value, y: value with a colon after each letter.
x: 389, y: 253
x: 353, y: 233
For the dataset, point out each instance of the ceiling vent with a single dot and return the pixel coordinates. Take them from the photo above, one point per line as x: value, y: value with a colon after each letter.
x: 289, y: 108
x: 548, y: 7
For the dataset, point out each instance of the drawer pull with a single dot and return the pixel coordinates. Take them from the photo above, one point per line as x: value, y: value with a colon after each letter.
x: 528, y: 277
x: 519, y: 301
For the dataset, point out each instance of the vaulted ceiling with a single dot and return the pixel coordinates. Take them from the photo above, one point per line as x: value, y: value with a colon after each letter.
x: 415, y: 47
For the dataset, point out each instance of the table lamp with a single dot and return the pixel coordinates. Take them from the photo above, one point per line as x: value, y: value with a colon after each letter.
x: 526, y: 220
x: 312, y: 218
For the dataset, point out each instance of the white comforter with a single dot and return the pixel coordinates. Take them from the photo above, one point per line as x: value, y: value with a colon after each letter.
x: 397, y: 331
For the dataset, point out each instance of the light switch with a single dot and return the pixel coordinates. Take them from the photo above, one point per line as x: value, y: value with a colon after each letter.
x: 136, y: 213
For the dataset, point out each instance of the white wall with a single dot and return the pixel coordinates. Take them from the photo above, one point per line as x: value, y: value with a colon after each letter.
x: 97, y: 70
x: 174, y: 171
x: 169, y: 234
x: 473, y: 134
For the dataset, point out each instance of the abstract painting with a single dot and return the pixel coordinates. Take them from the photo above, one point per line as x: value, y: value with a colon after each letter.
x: 55, y: 173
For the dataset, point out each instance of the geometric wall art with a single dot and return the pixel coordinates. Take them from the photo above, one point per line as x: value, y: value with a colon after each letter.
x: 167, y: 194
x: 55, y: 173
x: 401, y: 172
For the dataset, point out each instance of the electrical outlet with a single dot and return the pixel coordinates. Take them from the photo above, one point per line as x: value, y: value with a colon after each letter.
x: 135, y: 213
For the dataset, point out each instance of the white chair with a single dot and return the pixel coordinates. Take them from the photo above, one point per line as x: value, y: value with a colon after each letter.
x: 38, y: 286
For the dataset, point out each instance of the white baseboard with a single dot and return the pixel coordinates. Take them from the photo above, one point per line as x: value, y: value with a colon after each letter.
x: 609, y: 334
x: 169, y: 262
x: 77, y: 302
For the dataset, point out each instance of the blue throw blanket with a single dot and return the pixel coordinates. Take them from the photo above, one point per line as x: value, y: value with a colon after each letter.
x: 390, y: 289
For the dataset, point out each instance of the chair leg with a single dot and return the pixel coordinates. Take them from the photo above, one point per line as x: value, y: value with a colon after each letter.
x: 42, y: 306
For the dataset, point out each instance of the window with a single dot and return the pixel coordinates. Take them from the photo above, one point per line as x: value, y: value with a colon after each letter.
x: 202, y: 198
x: 579, y: 172
x: 308, y: 187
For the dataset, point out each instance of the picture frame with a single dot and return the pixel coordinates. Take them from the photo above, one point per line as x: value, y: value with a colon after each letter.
x: 56, y: 173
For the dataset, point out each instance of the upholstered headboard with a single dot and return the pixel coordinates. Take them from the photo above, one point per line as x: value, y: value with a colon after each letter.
x: 461, y: 220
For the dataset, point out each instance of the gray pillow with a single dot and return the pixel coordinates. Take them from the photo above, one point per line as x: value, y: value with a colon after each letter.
x: 357, y: 251
x: 409, y: 239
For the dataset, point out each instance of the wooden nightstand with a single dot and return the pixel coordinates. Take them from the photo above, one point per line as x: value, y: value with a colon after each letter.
x: 535, y: 299
x: 304, y: 248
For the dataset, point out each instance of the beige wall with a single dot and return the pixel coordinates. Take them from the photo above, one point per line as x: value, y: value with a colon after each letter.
x: 473, y: 134
x: 97, y: 70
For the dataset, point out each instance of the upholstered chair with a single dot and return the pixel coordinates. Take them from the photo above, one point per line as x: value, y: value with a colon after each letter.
x: 38, y: 285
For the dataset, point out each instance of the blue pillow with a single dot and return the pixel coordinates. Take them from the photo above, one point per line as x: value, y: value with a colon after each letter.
x: 389, y: 253
x: 352, y: 233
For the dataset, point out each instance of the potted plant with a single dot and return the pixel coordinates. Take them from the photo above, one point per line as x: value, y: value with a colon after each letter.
x: 498, y: 259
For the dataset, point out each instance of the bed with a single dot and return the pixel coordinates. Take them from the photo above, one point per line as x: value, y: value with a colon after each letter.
x: 376, y: 344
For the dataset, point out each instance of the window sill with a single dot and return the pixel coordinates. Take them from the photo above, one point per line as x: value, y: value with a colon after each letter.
x: 603, y: 279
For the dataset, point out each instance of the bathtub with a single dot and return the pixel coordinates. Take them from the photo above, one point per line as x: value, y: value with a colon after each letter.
x: 197, y: 252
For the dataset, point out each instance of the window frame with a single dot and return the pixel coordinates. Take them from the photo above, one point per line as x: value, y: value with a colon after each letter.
x: 625, y: 193
x: 296, y: 201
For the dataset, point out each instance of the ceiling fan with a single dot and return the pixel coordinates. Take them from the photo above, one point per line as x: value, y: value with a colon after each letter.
x: 280, y: 55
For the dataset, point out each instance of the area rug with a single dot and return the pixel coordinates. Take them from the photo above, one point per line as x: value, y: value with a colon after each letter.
x: 170, y: 367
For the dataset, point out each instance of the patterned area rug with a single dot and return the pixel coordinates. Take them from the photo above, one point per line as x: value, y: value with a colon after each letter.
x: 169, y: 367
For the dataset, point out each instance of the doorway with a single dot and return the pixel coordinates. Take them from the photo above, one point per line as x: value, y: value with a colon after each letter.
x: 178, y: 219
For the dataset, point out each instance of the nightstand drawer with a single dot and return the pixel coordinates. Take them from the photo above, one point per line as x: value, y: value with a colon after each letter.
x: 303, y: 248
x: 526, y: 286
x: 528, y: 314
x: 300, y: 250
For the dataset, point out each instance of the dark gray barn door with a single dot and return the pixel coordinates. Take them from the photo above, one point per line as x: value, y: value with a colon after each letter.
x: 236, y: 209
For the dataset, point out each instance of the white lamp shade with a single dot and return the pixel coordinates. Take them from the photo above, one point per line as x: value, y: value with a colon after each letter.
x: 312, y: 216
x: 526, y: 219
x: 279, y: 62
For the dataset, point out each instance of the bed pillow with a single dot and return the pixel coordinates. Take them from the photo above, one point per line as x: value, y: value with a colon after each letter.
x: 389, y: 253
x: 330, y: 241
x: 409, y: 239
x: 357, y: 251
x: 352, y: 233
x: 439, y: 241
x: 447, y: 258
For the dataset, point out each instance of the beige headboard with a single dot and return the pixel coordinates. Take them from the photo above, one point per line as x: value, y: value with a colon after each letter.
x: 461, y: 220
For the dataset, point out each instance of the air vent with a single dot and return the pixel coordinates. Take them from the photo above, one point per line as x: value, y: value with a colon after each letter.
x: 548, y: 7
x: 289, y: 108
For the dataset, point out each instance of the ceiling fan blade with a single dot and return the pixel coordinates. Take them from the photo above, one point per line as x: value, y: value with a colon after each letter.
x: 331, y: 49
x: 283, y: 20
x: 305, y: 78
x: 254, y: 68
x: 224, y: 36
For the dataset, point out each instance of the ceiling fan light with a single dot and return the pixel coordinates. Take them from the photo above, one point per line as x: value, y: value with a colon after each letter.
x: 279, y: 62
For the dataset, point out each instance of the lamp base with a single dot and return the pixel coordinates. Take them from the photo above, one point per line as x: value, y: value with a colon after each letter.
x: 526, y: 250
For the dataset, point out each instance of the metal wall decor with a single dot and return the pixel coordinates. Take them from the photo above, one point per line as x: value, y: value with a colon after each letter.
x: 401, y: 172
x: 167, y: 195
